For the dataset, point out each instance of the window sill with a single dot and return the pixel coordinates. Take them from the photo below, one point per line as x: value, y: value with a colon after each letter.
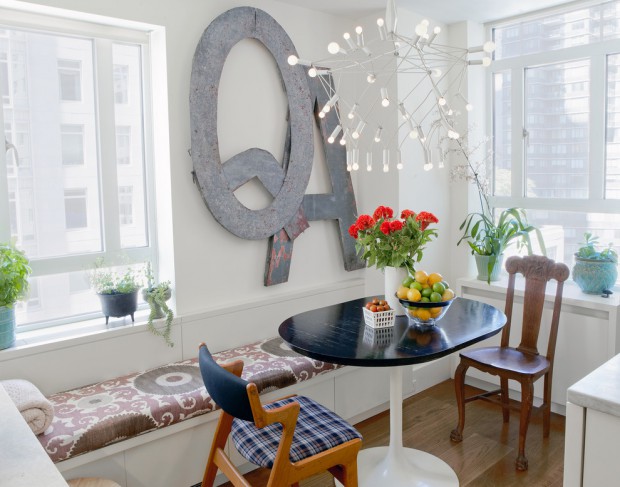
x: 63, y: 336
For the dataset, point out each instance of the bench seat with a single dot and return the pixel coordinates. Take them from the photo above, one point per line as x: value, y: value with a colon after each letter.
x: 97, y: 415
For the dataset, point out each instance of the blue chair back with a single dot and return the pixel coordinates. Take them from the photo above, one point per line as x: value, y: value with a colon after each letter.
x: 225, y: 388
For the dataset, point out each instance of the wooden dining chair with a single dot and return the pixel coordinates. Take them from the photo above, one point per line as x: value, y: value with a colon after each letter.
x: 524, y: 363
x: 295, y: 436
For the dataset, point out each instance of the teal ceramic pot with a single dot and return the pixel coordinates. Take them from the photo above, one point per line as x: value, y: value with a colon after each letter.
x: 7, y: 327
x: 482, y: 263
x: 594, y: 276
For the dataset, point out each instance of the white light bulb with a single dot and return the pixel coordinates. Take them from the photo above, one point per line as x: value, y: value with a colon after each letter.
x: 425, y: 22
x: 385, y: 102
x: 380, y: 22
x: 358, y: 29
x: 450, y: 112
x: 436, y: 72
x: 312, y: 72
x: 351, y: 114
x: 378, y: 134
x: 428, y: 166
x: 486, y: 61
x: 386, y: 168
x: 371, y: 78
x: 399, y: 166
x: 343, y: 141
x: 369, y: 161
x: 327, y: 108
x: 355, y: 135
x: 420, y: 30
x: 488, y: 46
x: 442, y: 101
x: 356, y: 166
x: 293, y: 60
x: 469, y: 107
x: 333, y: 48
x: 349, y: 167
x: 321, y: 114
x: 330, y: 140
x: 414, y: 134
x: 346, y: 36
x: 437, y: 30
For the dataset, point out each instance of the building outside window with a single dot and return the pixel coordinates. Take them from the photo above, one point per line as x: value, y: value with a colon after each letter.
x: 555, y: 111
x: 81, y: 187
x: 72, y: 144
x: 69, y: 79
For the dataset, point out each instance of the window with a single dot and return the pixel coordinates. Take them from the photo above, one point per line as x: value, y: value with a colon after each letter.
x: 69, y: 79
x: 123, y: 144
x: 121, y: 77
x: 75, y: 208
x: 125, y: 204
x: 557, y: 151
x: 74, y: 103
x: 72, y: 144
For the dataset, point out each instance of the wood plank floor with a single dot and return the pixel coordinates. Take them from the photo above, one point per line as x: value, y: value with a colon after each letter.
x: 487, y: 454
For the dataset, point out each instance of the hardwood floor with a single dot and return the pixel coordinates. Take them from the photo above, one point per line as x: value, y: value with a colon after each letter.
x: 485, y: 458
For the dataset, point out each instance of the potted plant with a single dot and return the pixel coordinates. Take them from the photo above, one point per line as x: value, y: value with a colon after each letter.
x: 595, y: 271
x: 487, y: 236
x: 156, y: 296
x: 14, y: 272
x: 117, y: 291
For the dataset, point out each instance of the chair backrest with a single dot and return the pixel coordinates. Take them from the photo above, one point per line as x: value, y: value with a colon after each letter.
x: 537, y: 270
x: 227, y: 390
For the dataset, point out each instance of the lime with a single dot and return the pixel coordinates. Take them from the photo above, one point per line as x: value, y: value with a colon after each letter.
x: 407, y: 281
x: 445, y: 283
x: 416, y: 285
x: 425, y: 300
x: 435, y: 298
x: 426, y: 292
x: 438, y: 287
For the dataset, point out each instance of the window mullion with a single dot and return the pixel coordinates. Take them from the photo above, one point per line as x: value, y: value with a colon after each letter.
x: 598, y: 98
x: 519, y: 142
x: 107, y: 146
x: 5, y: 217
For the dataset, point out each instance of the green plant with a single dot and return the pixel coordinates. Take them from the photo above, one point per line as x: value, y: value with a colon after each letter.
x: 490, y: 236
x: 105, y: 280
x: 588, y: 250
x: 385, y: 241
x: 156, y: 296
x: 14, y: 272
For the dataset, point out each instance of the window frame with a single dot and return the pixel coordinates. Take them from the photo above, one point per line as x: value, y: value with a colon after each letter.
x: 105, y: 32
x: 597, y: 53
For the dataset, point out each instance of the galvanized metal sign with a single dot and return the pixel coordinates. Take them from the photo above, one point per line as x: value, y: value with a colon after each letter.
x: 288, y: 214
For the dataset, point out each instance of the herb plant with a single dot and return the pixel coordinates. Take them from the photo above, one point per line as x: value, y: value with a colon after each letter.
x: 14, y: 272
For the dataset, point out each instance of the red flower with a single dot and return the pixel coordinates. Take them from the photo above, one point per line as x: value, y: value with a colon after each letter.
x: 364, y: 222
x: 353, y: 230
x: 406, y: 214
x: 384, y: 212
x: 425, y: 218
x: 396, y: 225
x: 385, y: 228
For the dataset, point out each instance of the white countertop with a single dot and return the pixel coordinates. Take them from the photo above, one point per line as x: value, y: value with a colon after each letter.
x: 600, y: 389
x: 23, y: 461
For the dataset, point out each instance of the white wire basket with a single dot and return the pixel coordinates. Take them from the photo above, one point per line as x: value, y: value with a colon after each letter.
x: 379, y: 319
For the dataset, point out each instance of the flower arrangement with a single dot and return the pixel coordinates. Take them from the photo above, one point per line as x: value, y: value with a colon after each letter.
x: 384, y: 241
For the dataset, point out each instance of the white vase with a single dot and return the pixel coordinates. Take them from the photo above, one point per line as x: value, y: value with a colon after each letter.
x: 394, y: 276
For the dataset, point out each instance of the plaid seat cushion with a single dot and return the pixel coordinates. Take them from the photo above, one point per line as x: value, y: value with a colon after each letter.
x: 318, y: 429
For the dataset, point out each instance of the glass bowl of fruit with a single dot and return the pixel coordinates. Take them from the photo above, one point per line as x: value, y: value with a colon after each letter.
x: 425, y: 297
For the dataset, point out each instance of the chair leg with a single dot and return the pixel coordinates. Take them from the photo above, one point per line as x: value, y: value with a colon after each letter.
x: 527, y: 397
x: 505, y: 399
x: 224, y: 426
x: 547, y: 406
x: 459, y: 387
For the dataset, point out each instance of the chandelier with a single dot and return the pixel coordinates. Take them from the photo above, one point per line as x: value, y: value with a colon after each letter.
x: 427, y: 112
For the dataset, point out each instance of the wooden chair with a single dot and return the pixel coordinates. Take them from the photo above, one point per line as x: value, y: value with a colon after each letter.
x: 295, y: 436
x: 523, y: 363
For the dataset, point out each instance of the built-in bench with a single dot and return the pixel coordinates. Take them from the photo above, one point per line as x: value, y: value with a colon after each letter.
x: 98, y: 415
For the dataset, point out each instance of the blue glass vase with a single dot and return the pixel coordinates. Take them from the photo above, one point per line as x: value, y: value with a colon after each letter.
x: 594, y: 276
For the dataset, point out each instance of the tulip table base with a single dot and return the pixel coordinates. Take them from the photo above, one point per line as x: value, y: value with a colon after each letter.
x: 396, y: 466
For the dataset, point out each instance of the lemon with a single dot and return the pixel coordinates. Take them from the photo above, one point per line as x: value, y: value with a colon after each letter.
x: 421, y: 277
x: 413, y: 295
x: 402, y: 292
x: 434, y: 277
x: 424, y: 314
x: 447, y: 295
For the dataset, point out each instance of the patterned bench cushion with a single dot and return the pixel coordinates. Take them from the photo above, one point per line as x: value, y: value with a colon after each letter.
x: 94, y: 416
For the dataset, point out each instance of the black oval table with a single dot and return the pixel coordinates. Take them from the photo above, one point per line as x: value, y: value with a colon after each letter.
x: 338, y: 334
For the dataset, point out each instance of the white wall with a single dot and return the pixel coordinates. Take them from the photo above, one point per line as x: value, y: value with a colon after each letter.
x: 214, y: 272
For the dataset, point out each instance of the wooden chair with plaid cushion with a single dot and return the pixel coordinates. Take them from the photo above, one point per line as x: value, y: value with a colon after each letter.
x: 295, y: 436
